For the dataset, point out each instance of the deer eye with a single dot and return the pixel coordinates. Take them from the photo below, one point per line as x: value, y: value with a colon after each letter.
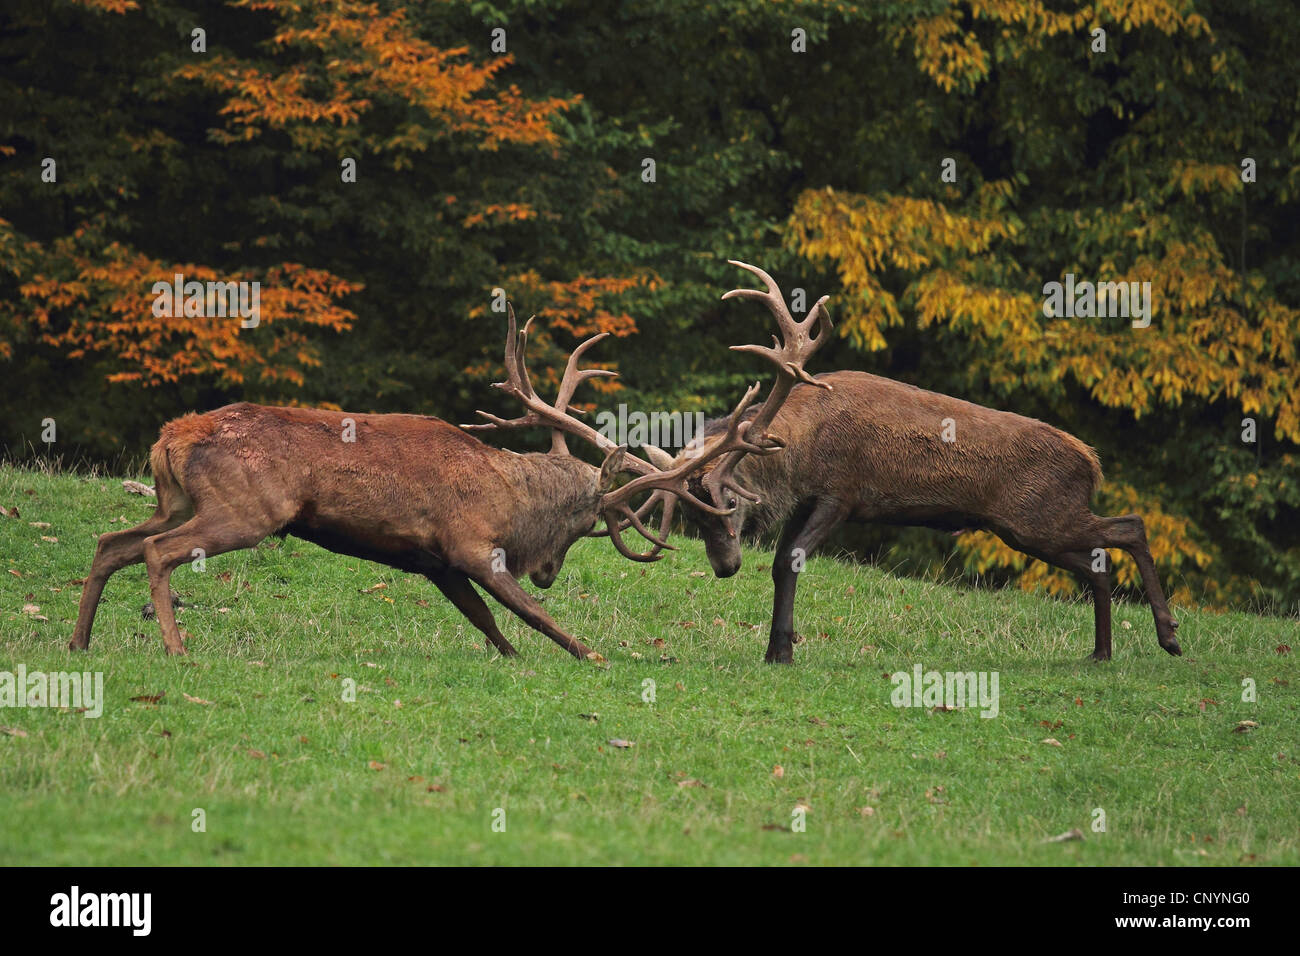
x: 731, y: 502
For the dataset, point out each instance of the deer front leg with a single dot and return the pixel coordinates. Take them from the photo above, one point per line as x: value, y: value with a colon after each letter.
x: 456, y: 587
x: 507, y: 591
x: 805, y: 530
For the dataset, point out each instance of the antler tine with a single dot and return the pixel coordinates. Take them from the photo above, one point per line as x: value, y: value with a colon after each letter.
x: 574, y: 376
x: 647, y: 507
x: 516, y: 342
x: 673, y: 480
x: 557, y: 417
x: 669, y: 485
x: 569, y: 382
x: 798, y: 339
x: 772, y: 297
x: 614, y: 527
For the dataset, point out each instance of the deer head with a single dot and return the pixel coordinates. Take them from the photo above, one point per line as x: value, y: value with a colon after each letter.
x: 664, y: 479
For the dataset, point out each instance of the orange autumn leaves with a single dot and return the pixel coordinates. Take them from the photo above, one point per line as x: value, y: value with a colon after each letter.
x: 325, y: 71
x: 354, y: 58
x: 92, y: 299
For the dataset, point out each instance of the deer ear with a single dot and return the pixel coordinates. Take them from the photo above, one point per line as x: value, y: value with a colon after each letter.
x: 658, y: 457
x: 611, y: 468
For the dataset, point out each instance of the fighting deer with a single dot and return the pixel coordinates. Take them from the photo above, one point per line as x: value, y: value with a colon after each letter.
x: 408, y: 491
x: 863, y: 448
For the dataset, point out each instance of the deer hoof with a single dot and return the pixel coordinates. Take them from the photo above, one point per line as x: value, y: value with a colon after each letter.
x: 783, y: 656
x: 1098, y: 656
x: 1167, y: 639
x: 595, y: 658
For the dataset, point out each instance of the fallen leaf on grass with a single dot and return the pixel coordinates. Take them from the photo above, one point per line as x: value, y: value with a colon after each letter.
x: 150, y: 698
x: 373, y: 588
x: 1075, y: 834
x: 1052, y: 742
x: 1244, y: 726
x: 620, y: 743
x: 195, y: 700
x: 135, y: 488
x: 256, y: 754
x: 590, y: 716
x: 689, y: 782
x: 13, y: 732
x: 34, y: 612
x: 376, y: 765
x: 778, y: 771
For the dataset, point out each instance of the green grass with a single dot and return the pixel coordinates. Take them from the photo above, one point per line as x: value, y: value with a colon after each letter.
x: 288, y: 772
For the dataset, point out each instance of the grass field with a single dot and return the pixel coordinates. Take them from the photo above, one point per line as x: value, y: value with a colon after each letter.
x: 443, y: 732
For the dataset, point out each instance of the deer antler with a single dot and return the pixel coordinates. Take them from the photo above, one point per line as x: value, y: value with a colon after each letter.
x: 557, y: 417
x: 669, y: 484
x: 561, y: 422
x: 788, y: 353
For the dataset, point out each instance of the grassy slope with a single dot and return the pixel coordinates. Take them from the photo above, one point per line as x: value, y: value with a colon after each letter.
x: 1176, y: 783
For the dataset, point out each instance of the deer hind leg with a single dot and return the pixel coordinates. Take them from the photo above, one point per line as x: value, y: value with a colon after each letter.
x: 165, y: 552
x: 1128, y: 532
x: 456, y: 587
x: 115, y: 551
x: 802, y: 534
x: 1082, y: 563
x: 1071, y: 546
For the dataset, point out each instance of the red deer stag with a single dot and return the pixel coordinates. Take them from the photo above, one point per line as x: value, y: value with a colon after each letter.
x: 408, y: 491
x: 863, y: 448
